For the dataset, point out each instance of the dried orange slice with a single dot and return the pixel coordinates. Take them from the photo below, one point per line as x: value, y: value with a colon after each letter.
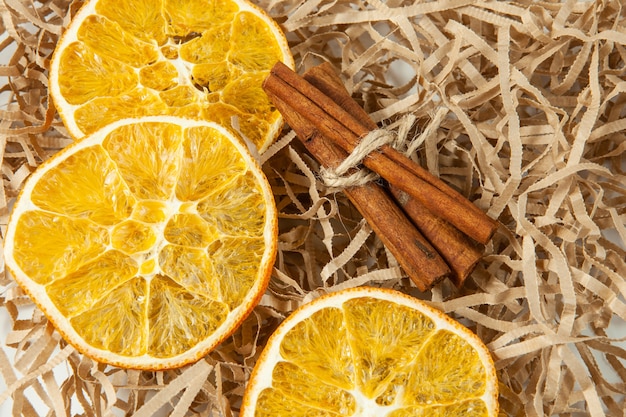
x: 371, y: 352
x: 202, y: 59
x: 146, y: 243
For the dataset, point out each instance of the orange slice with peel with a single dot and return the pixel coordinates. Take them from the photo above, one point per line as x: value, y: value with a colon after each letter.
x: 203, y: 59
x: 371, y: 352
x: 147, y: 242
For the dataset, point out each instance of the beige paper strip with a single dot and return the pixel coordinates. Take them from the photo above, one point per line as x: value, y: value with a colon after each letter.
x: 191, y: 381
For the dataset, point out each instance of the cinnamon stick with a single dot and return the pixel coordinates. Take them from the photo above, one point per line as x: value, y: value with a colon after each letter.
x: 419, y: 260
x: 342, y: 128
x: 324, y: 78
x: 459, y: 252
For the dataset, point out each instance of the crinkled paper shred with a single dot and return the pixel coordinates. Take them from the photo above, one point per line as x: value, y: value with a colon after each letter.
x: 521, y: 106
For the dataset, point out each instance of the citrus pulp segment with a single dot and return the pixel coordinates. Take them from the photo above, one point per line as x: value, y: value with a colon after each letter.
x: 147, y: 242
x: 202, y: 59
x: 371, y: 352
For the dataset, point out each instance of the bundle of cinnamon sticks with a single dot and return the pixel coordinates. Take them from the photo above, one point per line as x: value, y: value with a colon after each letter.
x: 433, y: 231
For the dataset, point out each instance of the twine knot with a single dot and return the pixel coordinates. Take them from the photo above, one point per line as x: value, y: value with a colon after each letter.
x: 347, y: 174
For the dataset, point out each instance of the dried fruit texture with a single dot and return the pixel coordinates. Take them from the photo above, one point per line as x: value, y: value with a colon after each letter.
x: 371, y: 352
x: 147, y: 242
x: 202, y: 59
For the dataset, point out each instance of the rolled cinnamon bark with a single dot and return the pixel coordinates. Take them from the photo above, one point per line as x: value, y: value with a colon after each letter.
x: 336, y: 124
x: 419, y: 260
x: 460, y: 253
